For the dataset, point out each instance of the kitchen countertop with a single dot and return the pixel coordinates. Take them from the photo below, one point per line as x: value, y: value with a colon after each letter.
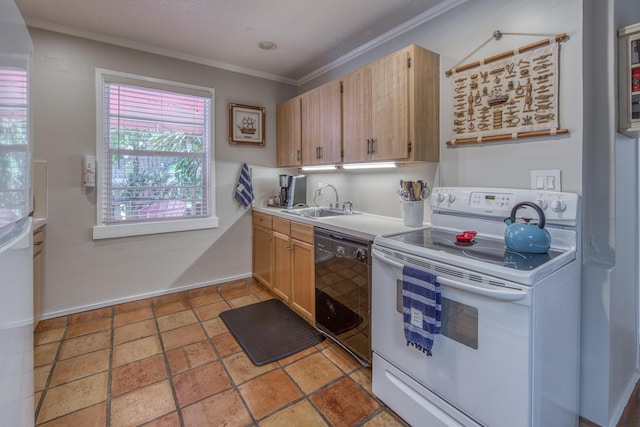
x: 38, y: 223
x: 362, y: 225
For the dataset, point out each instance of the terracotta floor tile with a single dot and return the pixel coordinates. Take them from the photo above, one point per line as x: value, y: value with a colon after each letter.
x: 138, y: 374
x: 45, y: 354
x: 182, y: 336
x: 133, y: 316
x: 133, y: 331
x: 269, y: 392
x: 297, y: 356
x: 128, y: 307
x: 242, y: 301
x: 205, y: 299
x: 54, y: 323
x: 341, y: 358
x: 242, y: 369
x: 236, y: 292
x: 190, y: 356
x: 173, y: 307
x: 226, y: 344
x: 313, y: 372
x: 93, y: 416
x: 205, y: 290
x: 88, y: 327
x: 91, y: 315
x: 85, y: 344
x: 200, y: 382
x: 344, y: 403
x: 36, y: 399
x: 300, y: 414
x: 136, y: 350
x: 72, y: 396
x: 223, y: 409
x: 363, y: 377
x: 48, y: 336
x: 80, y: 367
x: 385, y: 419
x: 209, y: 311
x: 176, y: 320
x: 215, y: 327
x: 142, y: 405
x: 171, y: 420
x: 235, y: 284
x: 40, y: 377
x: 169, y: 298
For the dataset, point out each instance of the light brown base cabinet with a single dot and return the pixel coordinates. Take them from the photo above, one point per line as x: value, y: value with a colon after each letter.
x: 283, y: 261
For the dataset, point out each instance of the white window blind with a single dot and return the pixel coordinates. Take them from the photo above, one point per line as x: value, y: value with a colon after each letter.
x: 156, y: 153
x: 14, y: 145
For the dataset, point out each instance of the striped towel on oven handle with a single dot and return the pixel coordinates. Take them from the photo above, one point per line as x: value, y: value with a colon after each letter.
x: 244, y: 188
x: 421, y: 308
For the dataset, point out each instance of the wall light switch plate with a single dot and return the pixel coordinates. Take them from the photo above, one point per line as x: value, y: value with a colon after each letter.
x: 549, y: 180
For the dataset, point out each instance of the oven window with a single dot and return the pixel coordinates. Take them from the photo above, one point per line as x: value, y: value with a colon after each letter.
x: 460, y: 322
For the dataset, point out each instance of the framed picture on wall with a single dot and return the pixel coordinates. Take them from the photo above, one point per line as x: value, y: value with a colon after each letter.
x: 246, y: 124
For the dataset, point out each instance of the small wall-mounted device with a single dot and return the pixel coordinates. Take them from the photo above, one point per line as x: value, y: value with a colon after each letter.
x: 89, y: 171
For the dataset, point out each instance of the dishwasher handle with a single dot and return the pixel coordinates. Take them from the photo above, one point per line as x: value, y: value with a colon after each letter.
x: 501, y: 294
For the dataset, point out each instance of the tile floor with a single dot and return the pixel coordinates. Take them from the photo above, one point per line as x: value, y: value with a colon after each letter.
x: 170, y: 361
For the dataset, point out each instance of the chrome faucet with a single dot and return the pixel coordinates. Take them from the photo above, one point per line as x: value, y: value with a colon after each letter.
x: 319, y: 193
x: 347, y: 206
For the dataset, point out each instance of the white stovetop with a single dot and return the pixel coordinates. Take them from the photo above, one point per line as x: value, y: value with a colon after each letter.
x: 361, y: 225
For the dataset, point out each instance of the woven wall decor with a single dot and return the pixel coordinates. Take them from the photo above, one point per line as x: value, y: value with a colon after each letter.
x: 508, y: 98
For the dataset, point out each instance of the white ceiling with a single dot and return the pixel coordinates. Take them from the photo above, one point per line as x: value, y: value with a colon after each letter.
x: 312, y: 35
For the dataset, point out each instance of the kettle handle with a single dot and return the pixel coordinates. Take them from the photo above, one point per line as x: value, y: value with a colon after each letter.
x: 517, y: 206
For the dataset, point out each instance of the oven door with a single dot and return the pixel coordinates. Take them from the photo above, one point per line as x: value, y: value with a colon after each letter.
x: 481, y: 359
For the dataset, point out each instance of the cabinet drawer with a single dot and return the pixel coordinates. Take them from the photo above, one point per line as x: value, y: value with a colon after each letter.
x: 302, y: 232
x: 262, y: 219
x: 281, y: 225
x: 38, y: 240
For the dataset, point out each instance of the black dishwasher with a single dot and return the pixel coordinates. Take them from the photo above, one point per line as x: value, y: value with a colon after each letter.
x: 343, y: 271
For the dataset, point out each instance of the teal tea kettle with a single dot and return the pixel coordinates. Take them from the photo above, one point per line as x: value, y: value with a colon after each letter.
x: 525, y: 236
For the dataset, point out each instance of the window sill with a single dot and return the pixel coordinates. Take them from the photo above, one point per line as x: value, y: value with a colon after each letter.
x: 141, y: 229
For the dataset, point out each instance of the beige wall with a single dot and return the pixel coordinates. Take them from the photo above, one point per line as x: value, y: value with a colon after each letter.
x: 81, y: 273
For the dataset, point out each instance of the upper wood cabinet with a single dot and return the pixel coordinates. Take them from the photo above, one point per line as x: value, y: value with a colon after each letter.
x: 391, y: 108
x: 321, y: 125
x: 288, y: 133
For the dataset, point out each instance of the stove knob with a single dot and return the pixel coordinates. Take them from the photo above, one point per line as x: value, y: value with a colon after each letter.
x: 451, y: 198
x: 542, y: 203
x: 439, y: 197
x: 558, y: 206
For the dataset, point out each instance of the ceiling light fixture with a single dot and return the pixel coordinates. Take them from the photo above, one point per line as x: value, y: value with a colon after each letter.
x: 267, y: 45
x: 380, y: 165
x: 319, y: 168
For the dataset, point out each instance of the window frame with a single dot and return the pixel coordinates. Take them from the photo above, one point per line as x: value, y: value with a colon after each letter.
x: 102, y: 230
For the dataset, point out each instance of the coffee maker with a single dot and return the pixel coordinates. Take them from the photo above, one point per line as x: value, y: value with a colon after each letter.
x: 293, y: 190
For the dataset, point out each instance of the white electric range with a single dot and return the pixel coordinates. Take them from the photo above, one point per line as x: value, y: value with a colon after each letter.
x: 508, y: 351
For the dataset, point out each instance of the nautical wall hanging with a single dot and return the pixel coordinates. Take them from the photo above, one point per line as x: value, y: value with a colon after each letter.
x: 507, y: 96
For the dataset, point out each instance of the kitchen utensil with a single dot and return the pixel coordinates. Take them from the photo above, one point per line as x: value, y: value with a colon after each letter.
x: 527, y: 236
x: 466, y: 236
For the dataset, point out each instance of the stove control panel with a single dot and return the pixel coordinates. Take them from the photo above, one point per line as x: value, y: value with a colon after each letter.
x: 558, y: 207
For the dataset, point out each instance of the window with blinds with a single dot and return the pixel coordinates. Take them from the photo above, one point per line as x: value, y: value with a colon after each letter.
x: 14, y: 145
x: 156, y: 152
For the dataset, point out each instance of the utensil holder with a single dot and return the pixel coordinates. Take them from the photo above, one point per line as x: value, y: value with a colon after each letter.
x: 413, y: 213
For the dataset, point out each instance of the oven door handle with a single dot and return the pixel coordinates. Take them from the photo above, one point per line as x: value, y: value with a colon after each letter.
x: 505, y: 294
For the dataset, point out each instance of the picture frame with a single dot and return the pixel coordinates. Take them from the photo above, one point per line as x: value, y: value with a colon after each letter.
x: 246, y: 124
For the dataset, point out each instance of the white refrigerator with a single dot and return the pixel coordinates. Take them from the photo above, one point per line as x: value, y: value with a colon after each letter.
x: 16, y: 252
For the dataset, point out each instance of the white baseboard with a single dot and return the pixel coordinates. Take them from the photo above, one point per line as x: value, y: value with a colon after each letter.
x: 102, y: 304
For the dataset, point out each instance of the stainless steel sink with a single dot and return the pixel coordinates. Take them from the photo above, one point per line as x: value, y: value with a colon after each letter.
x: 319, y: 212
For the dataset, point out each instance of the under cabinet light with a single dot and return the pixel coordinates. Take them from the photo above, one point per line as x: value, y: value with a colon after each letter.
x: 369, y: 165
x: 319, y: 168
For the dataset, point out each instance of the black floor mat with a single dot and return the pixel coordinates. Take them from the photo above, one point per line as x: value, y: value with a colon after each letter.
x: 269, y: 330
x: 333, y: 315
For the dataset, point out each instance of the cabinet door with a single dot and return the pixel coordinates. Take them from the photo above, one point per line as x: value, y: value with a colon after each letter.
x: 288, y: 136
x: 321, y: 125
x: 282, y: 266
x: 263, y: 255
x: 390, y: 112
x: 356, y: 114
x: 303, y: 279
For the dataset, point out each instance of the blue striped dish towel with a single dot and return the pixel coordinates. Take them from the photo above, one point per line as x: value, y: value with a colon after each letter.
x: 244, y: 189
x: 421, y: 308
